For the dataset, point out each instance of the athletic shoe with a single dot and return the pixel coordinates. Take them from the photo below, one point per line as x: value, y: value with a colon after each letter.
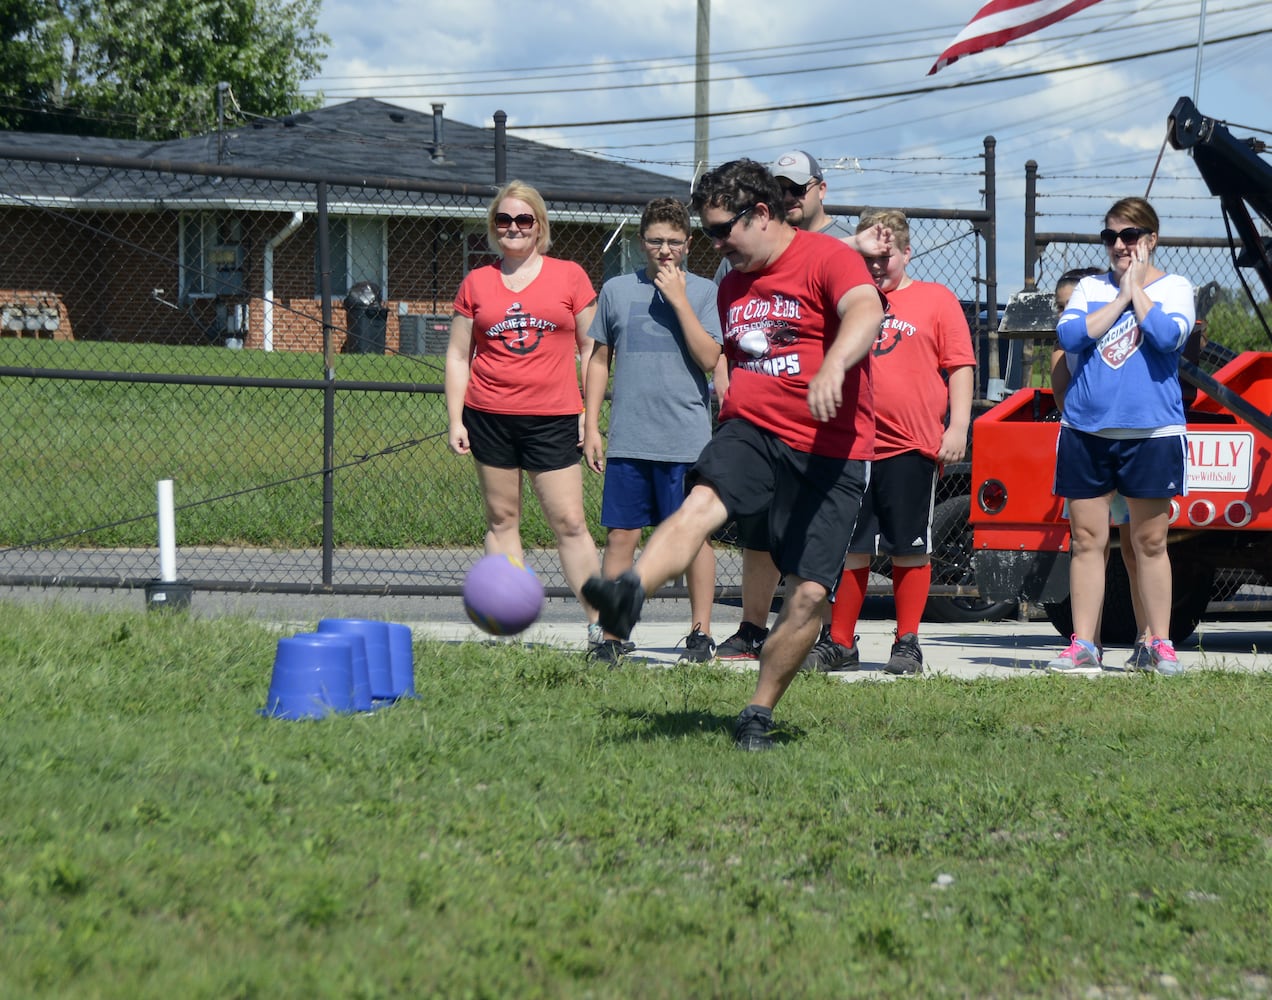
x: 608, y: 651
x: 618, y: 601
x: 1161, y: 654
x: 1079, y: 658
x: 744, y: 644
x: 596, y: 636
x: 906, y: 658
x: 1140, y: 659
x: 753, y: 730
x: 699, y: 647
x: 827, y: 656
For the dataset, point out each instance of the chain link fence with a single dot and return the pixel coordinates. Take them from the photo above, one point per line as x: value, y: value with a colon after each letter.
x: 273, y: 346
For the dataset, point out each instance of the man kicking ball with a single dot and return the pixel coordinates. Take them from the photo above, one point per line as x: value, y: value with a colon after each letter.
x: 799, y: 312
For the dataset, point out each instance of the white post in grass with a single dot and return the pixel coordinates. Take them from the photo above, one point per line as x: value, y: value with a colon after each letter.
x: 167, y: 534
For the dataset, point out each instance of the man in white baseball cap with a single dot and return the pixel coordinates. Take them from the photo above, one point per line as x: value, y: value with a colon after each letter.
x: 804, y: 190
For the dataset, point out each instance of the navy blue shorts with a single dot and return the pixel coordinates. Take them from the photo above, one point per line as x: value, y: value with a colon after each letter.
x: 810, y: 501
x: 513, y: 441
x: 1088, y: 465
x: 640, y: 493
x: 896, y: 512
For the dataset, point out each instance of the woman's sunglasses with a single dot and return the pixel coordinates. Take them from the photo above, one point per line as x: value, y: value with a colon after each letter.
x: 1129, y: 236
x: 523, y: 222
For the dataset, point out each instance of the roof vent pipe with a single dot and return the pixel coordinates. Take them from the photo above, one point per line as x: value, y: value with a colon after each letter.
x: 501, y: 147
x: 438, y: 154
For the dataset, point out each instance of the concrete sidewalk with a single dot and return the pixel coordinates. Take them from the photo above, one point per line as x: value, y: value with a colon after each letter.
x: 984, y: 649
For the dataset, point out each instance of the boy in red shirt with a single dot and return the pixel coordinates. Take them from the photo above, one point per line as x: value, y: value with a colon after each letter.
x: 923, y: 342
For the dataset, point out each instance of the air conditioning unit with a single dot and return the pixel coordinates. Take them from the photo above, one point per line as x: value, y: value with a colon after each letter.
x: 424, y: 333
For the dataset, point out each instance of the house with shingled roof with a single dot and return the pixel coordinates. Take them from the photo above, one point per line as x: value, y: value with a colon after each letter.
x: 216, y: 238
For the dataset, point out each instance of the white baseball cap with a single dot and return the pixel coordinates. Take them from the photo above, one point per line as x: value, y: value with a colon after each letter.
x: 796, y: 166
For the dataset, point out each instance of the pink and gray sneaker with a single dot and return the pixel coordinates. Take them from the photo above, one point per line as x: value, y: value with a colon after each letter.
x: 1161, y: 654
x: 1080, y: 658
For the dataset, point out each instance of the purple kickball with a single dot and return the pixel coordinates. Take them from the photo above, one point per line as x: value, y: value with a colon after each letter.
x: 502, y: 595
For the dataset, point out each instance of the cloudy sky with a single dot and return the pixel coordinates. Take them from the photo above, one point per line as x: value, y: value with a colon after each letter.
x: 1087, y: 99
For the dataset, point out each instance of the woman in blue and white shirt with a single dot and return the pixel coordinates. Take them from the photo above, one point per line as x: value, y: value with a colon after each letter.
x: 1123, y: 427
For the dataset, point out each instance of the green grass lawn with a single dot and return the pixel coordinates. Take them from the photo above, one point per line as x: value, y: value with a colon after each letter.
x: 535, y: 826
x: 81, y: 458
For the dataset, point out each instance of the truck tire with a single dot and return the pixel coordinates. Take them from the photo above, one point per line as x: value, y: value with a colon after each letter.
x: 952, y: 564
x: 1191, y: 586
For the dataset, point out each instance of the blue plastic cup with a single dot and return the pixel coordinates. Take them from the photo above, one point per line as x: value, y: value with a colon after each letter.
x: 401, y: 660
x: 376, y: 636
x: 313, y: 677
x: 361, y: 675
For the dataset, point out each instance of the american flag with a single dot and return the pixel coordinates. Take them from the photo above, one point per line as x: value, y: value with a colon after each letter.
x: 1001, y: 21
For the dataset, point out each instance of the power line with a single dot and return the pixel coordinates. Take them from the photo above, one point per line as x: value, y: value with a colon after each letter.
x: 909, y: 92
x: 937, y: 33
x: 392, y: 90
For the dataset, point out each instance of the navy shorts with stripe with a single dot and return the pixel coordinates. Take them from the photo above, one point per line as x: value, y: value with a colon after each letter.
x: 1088, y: 466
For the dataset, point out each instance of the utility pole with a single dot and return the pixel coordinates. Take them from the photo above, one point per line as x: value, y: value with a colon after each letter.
x: 701, y: 89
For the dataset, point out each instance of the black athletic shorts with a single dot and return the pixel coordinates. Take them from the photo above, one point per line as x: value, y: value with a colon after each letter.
x: 809, y: 502
x: 510, y: 441
x: 896, y: 512
x: 752, y: 532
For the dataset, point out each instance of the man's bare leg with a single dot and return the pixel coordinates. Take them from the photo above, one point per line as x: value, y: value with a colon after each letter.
x: 793, y: 635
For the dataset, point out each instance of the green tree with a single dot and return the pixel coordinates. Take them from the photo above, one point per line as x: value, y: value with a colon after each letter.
x: 28, y: 60
x: 1233, y: 323
x: 149, y: 69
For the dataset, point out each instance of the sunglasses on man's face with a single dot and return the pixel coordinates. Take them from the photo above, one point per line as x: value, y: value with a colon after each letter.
x: 722, y: 230
x: 1129, y: 236
x: 797, y: 191
x: 523, y: 222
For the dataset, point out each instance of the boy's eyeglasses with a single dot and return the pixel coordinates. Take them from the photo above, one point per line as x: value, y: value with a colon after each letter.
x: 523, y: 222
x: 1129, y: 236
x: 722, y: 230
x: 675, y: 246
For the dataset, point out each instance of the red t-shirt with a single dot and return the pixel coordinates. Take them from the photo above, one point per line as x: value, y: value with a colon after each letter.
x: 924, y: 334
x: 524, y: 347
x: 777, y: 324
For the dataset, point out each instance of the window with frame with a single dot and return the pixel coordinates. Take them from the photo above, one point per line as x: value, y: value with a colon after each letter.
x: 211, y: 260
x: 359, y: 252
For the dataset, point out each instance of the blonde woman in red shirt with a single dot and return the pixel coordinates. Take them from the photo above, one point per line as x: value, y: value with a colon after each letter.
x: 512, y: 382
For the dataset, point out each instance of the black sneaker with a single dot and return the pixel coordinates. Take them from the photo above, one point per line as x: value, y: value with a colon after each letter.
x: 609, y: 651
x: 827, y: 656
x: 744, y: 644
x: 699, y: 647
x: 753, y: 730
x: 906, y: 656
x: 618, y: 601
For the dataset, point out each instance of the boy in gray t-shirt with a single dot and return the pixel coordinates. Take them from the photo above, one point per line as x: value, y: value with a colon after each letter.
x: 660, y: 330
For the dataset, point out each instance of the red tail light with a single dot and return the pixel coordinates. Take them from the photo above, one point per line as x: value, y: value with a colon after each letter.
x: 992, y: 496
